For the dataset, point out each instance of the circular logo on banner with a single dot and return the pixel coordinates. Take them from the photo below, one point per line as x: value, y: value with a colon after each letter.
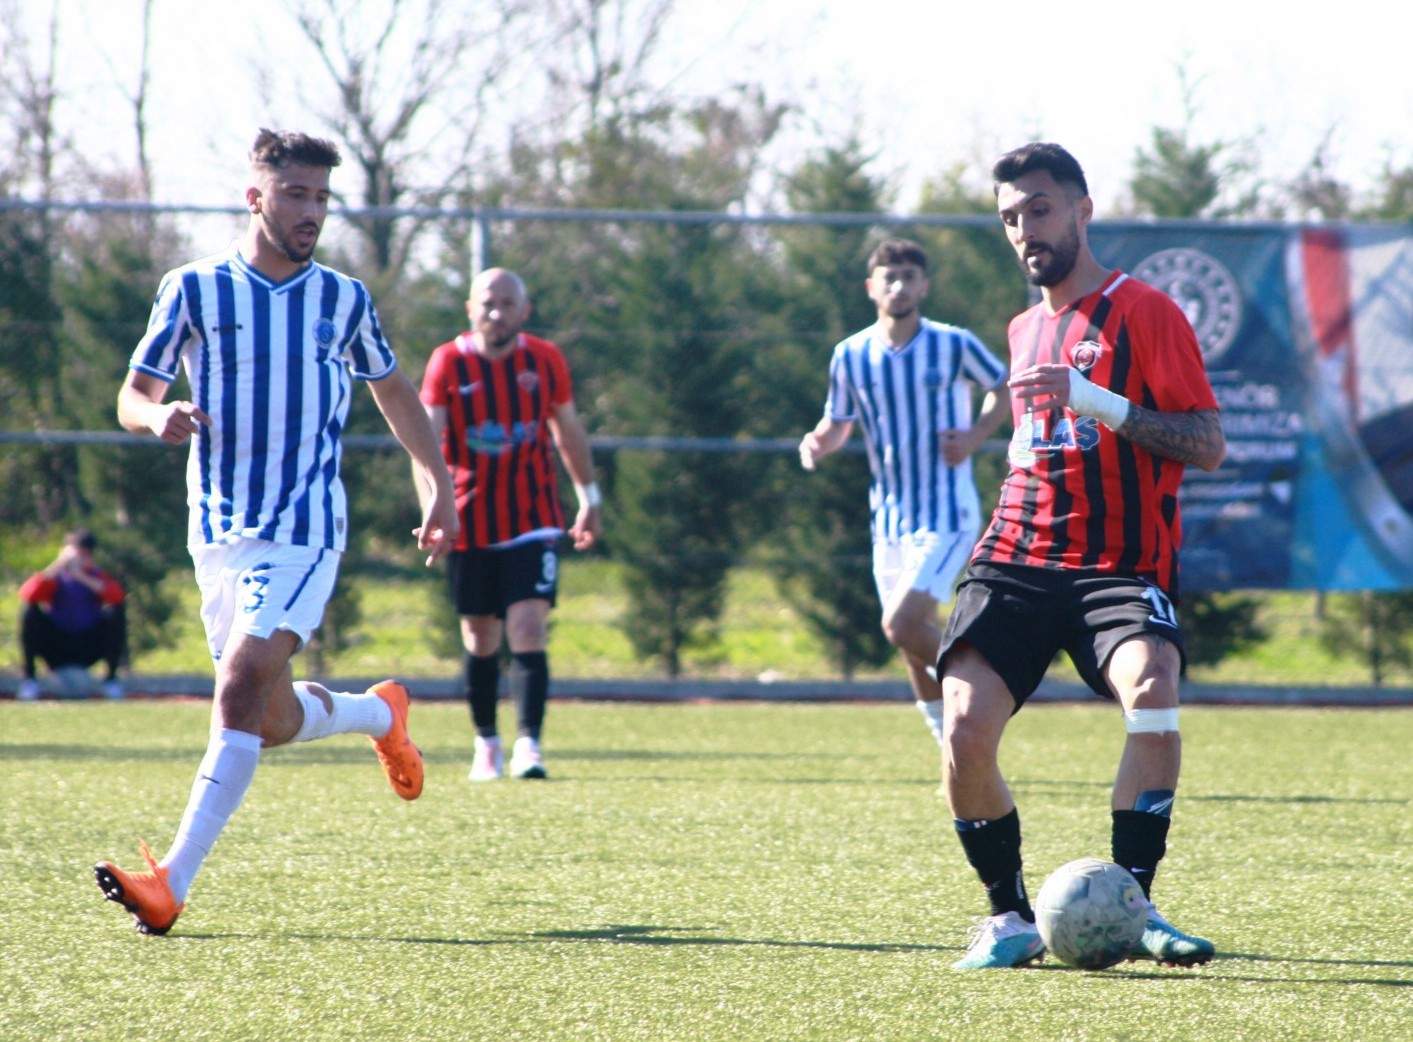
x: 1205, y: 291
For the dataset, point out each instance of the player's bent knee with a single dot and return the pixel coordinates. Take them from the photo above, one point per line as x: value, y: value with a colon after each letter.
x: 969, y: 743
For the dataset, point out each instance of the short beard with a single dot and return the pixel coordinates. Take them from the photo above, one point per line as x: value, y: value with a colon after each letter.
x: 297, y: 256
x: 1063, y: 256
x: 294, y: 254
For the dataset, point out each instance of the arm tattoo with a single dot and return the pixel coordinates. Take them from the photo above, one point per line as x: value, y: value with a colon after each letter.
x: 1188, y: 437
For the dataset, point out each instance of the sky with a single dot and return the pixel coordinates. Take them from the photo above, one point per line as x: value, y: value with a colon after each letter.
x: 925, y: 83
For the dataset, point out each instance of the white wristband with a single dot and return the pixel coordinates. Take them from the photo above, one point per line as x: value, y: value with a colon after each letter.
x: 1104, y: 405
x: 589, y: 495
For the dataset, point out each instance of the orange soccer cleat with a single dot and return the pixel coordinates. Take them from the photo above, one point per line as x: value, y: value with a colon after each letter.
x: 401, y: 759
x: 145, y: 894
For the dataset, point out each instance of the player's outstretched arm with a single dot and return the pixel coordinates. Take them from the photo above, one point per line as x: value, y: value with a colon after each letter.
x: 407, y: 419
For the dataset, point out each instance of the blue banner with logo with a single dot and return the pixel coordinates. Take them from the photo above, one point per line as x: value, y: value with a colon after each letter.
x: 1308, y: 338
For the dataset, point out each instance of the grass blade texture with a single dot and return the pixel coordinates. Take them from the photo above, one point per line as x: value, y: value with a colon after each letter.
x: 693, y: 872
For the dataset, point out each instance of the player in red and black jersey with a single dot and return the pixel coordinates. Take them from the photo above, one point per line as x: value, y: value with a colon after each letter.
x: 498, y: 397
x: 1110, y: 402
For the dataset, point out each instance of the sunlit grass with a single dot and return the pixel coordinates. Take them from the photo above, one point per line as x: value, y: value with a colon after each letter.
x: 714, y: 873
x: 407, y: 629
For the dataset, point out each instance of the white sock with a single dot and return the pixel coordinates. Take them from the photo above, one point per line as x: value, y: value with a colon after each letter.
x: 362, y: 713
x: 932, y: 713
x: 221, y: 783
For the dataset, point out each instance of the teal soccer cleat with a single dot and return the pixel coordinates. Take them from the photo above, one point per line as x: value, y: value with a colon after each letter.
x: 1001, y: 942
x: 1164, y: 943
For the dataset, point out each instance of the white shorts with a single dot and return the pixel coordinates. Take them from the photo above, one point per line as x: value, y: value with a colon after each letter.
x: 929, y: 562
x: 255, y: 587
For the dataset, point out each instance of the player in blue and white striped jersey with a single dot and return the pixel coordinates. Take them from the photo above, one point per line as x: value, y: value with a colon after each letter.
x: 911, y: 384
x: 272, y: 362
x: 270, y: 343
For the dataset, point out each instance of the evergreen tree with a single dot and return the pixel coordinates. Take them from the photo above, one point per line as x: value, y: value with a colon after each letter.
x: 113, y: 265
x: 1376, y: 628
x: 676, y: 528
x: 825, y: 567
x: 662, y: 325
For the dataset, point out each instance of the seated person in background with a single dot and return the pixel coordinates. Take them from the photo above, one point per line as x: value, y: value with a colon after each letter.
x: 73, y: 616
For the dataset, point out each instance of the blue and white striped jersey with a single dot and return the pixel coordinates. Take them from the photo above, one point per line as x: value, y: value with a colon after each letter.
x: 903, y: 398
x: 270, y: 363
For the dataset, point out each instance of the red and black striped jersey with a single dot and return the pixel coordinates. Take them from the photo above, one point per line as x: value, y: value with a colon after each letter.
x: 497, y: 440
x: 1077, y: 495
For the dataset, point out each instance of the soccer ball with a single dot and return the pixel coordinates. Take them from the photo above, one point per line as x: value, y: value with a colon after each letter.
x: 1091, y: 913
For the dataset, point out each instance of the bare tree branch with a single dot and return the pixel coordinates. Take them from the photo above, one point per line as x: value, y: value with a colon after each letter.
x: 410, y: 81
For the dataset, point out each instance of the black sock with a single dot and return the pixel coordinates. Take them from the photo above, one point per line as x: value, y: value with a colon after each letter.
x: 1140, y: 840
x: 529, y: 687
x: 482, y: 674
x: 993, y: 848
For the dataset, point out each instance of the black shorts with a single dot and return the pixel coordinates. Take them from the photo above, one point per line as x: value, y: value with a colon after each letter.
x: 1019, y: 617
x: 487, y: 581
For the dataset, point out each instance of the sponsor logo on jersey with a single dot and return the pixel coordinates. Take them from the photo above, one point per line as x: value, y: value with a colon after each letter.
x: 495, y: 439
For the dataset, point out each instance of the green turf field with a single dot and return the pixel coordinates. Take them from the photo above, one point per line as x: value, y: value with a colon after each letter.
x: 732, y: 872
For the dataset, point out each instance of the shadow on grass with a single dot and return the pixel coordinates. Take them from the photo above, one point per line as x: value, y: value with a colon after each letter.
x: 620, y: 933
x: 685, y: 936
x: 1291, y: 799
x: 614, y: 933
x: 1041, y: 785
x: 668, y: 935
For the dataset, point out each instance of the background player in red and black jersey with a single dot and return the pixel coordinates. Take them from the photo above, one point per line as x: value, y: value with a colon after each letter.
x: 1110, y: 401
x: 74, y: 615
x: 497, y: 398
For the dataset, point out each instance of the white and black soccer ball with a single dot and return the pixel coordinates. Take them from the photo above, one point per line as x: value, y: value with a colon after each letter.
x: 1091, y: 913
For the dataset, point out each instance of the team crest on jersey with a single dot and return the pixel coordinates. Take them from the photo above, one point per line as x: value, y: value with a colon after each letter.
x: 932, y: 378
x: 1085, y: 354
x: 528, y: 381
x: 1208, y: 294
x: 324, y: 332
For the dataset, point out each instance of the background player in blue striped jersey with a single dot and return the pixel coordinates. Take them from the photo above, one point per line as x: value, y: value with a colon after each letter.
x: 912, y: 383
x: 270, y: 342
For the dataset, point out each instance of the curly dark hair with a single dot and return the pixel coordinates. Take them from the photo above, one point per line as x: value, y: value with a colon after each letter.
x: 277, y: 149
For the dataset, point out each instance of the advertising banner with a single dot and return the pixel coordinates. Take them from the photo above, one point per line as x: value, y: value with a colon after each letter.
x: 1307, y: 333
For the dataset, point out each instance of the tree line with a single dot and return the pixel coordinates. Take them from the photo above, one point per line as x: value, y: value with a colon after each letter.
x: 692, y: 330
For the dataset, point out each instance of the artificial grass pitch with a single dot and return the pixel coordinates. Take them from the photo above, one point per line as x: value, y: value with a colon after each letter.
x: 693, y: 872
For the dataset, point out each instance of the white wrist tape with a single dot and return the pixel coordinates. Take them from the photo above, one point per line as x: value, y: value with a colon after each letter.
x: 1088, y: 399
x: 589, y: 495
